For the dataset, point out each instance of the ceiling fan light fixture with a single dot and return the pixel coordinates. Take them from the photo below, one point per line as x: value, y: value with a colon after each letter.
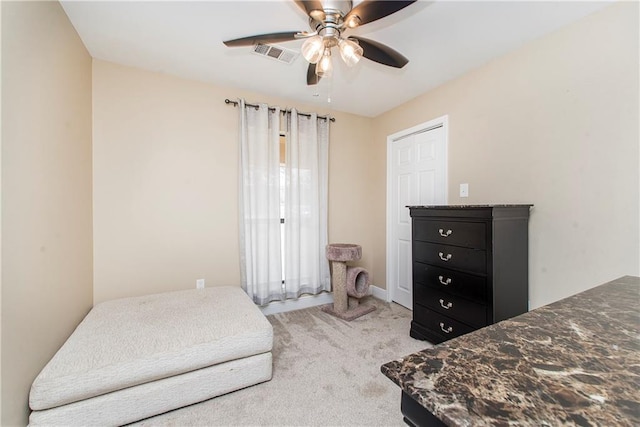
x: 350, y: 51
x: 317, y: 14
x: 313, y: 49
x: 324, y: 68
x: 352, y: 21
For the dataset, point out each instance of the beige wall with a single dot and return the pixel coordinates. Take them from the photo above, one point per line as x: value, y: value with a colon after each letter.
x: 165, y: 171
x: 46, y: 193
x: 554, y: 124
x: 0, y: 215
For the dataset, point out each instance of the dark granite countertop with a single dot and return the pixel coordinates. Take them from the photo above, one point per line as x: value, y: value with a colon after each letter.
x: 468, y: 206
x: 572, y: 362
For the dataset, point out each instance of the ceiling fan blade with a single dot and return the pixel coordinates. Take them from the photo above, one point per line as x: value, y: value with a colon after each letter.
x: 262, y: 38
x: 312, y: 77
x: 313, y: 8
x: 381, y: 53
x: 370, y: 10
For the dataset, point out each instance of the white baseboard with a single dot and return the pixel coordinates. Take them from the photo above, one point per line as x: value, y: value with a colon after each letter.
x: 305, y: 301
x: 378, y: 292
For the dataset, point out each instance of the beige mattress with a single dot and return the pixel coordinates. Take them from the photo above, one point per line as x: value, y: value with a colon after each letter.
x: 137, y: 346
x: 156, y: 397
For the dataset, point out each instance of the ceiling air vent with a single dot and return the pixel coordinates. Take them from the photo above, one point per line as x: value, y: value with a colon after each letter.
x: 275, y: 52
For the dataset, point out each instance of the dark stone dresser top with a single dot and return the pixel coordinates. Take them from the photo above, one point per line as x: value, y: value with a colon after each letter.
x: 572, y: 362
x: 469, y: 206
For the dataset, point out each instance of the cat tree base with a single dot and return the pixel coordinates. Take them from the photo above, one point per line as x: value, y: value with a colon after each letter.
x: 350, y: 314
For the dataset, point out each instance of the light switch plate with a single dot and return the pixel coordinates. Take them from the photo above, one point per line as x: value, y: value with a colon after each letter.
x: 464, y: 190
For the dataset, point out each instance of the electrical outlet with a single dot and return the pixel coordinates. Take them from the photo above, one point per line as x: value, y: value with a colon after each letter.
x: 464, y: 190
x: 200, y: 284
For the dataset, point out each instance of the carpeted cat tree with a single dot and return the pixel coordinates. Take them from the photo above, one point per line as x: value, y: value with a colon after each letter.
x: 349, y: 283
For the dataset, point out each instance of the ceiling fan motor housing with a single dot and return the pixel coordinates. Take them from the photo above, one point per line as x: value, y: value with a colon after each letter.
x: 330, y: 22
x: 341, y: 7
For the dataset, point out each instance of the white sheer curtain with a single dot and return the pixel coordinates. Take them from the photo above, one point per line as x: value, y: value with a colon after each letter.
x: 307, y: 153
x: 306, y: 269
x: 260, y: 243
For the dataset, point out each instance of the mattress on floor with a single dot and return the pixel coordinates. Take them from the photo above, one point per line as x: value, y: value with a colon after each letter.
x: 127, y: 342
x: 156, y: 397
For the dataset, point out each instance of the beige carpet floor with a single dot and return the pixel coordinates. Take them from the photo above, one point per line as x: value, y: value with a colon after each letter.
x: 326, y: 372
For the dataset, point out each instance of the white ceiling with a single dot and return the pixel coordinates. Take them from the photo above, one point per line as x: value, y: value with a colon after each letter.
x: 442, y: 39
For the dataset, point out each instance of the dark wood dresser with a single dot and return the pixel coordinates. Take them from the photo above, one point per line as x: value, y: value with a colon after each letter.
x: 470, y: 268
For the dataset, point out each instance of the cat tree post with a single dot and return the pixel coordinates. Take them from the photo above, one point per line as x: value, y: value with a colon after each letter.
x: 339, y: 285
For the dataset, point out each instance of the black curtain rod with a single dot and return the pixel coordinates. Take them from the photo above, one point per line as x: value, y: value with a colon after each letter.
x: 235, y: 104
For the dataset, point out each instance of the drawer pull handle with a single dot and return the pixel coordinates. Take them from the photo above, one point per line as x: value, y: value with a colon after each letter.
x: 444, y: 258
x: 444, y: 282
x: 445, y: 234
x: 446, y: 306
x: 446, y: 331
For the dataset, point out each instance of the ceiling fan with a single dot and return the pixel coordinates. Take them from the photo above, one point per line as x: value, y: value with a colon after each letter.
x: 329, y: 20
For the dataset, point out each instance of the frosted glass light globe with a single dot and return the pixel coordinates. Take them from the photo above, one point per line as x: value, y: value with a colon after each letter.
x: 312, y: 49
x: 350, y: 51
x: 325, y: 65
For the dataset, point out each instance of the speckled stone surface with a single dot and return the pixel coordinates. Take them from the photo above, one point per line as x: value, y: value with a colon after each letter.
x: 469, y: 206
x: 573, y: 362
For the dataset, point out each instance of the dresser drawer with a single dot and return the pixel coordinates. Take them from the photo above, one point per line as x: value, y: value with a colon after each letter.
x: 457, y: 283
x: 467, y: 234
x: 455, y: 257
x: 441, y: 325
x: 450, y: 305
